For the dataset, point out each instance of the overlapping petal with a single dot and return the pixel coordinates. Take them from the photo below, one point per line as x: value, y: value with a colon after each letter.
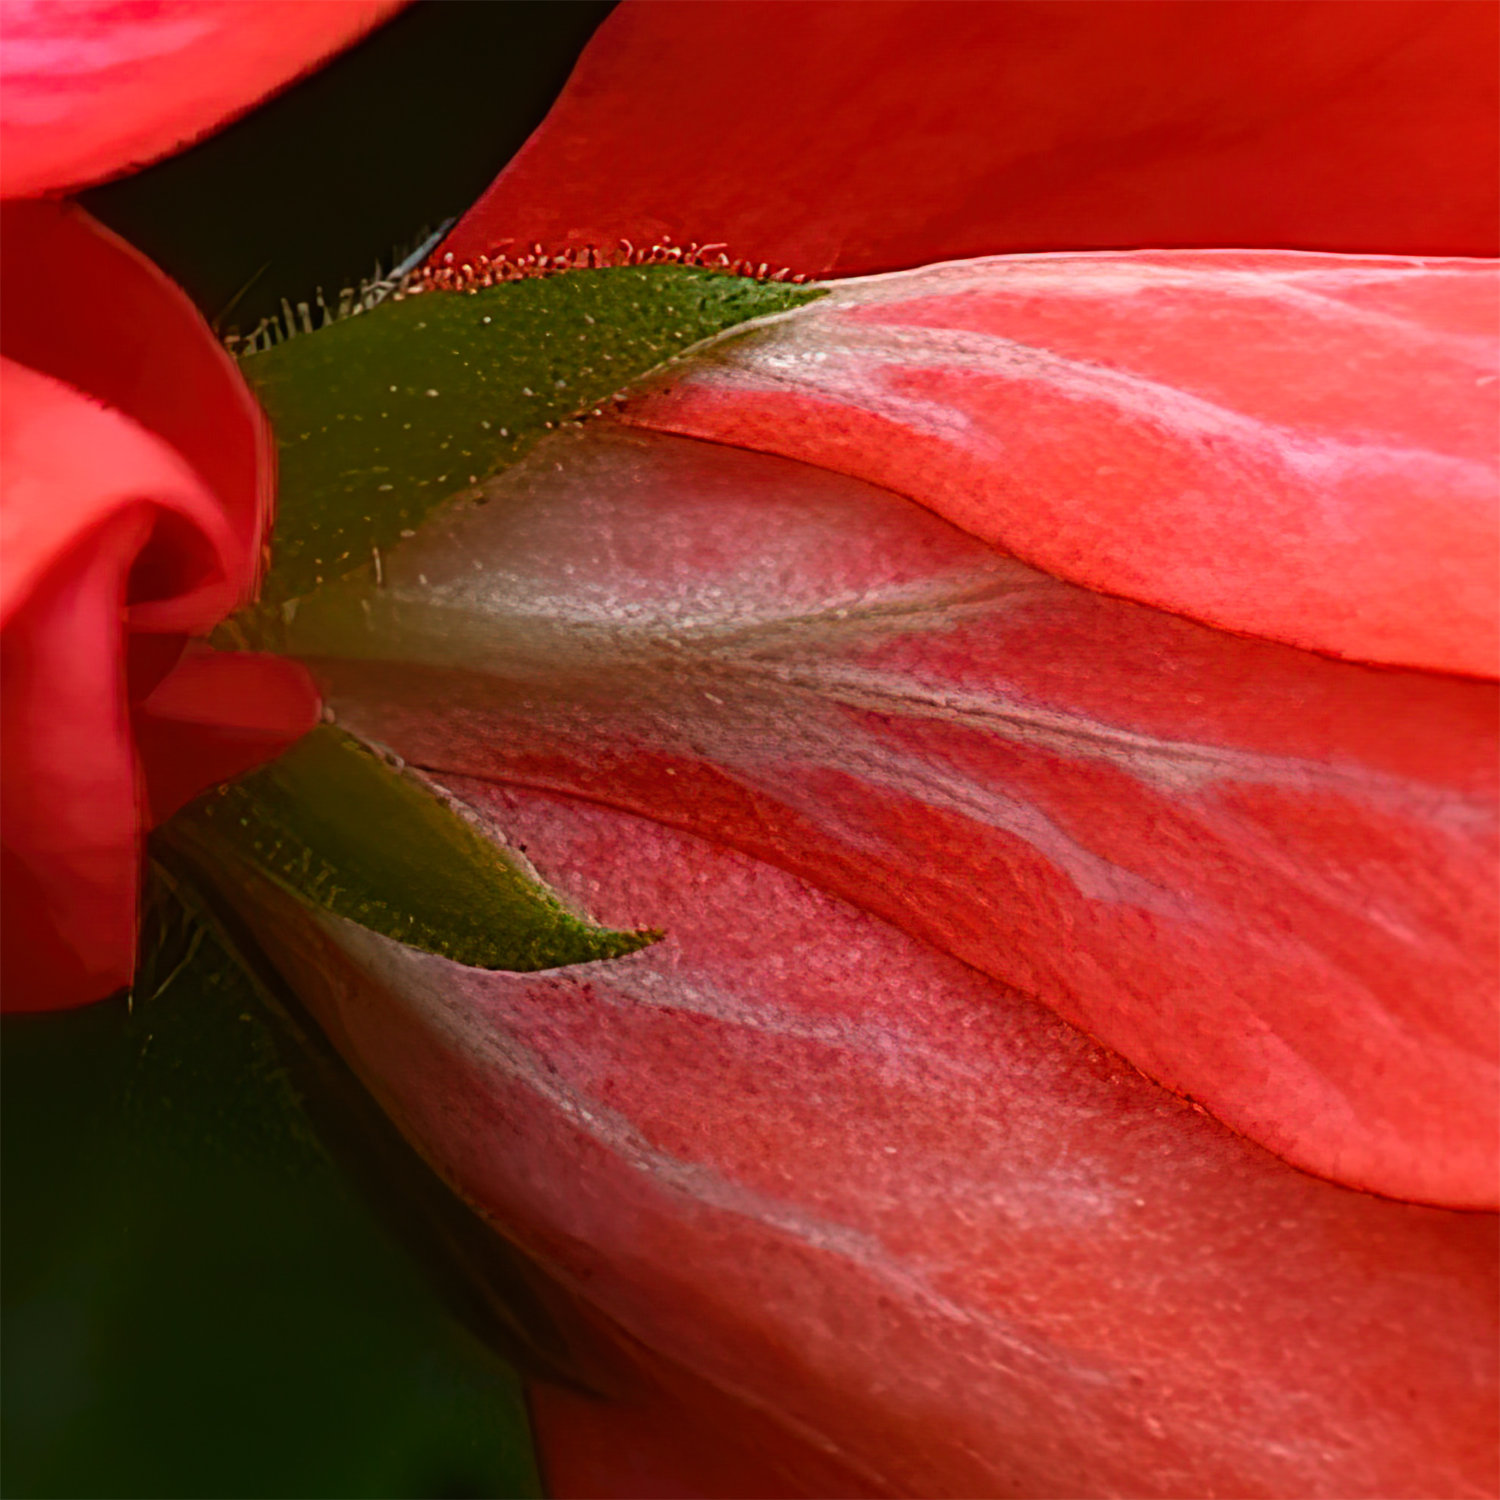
x: 841, y: 139
x: 1264, y: 876
x: 887, y: 1227
x: 92, y: 88
x: 1297, y: 447
x: 137, y: 494
x: 86, y: 309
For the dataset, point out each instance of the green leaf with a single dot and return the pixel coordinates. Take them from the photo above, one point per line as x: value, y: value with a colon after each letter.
x: 342, y: 828
x: 196, y: 1302
x: 381, y: 417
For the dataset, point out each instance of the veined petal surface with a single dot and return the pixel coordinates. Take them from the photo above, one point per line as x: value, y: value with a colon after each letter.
x: 1299, y: 447
x: 872, y: 1224
x: 1264, y: 876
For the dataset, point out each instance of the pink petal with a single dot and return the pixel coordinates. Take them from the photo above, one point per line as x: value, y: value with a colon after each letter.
x: 1291, y: 446
x: 92, y: 88
x: 890, y: 1226
x: 1265, y: 877
x: 842, y: 138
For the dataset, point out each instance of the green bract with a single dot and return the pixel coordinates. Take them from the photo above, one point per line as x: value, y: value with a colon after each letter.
x: 381, y: 417
x: 339, y: 826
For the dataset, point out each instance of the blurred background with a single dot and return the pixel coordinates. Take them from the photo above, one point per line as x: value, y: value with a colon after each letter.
x: 392, y: 138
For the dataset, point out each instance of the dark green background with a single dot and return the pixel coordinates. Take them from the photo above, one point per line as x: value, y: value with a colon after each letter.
x: 197, y: 1301
x: 394, y: 136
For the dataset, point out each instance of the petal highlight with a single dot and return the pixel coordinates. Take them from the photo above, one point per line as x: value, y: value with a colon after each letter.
x: 1297, y: 447
x: 1265, y: 877
x: 93, y: 88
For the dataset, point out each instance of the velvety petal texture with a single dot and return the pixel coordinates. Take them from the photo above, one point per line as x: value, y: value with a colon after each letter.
x: 92, y: 88
x: 135, y: 499
x: 1298, y: 447
x: 925, y: 130
x: 85, y: 308
x: 1265, y: 877
x: 887, y: 1227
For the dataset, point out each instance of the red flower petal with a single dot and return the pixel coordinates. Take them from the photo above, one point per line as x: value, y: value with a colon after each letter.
x: 889, y: 1225
x: 1265, y: 877
x: 91, y: 88
x: 68, y: 800
x: 646, y: 1444
x: 219, y: 713
x: 833, y: 137
x: 137, y: 485
x: 84, y: 307
x: 1297, y: 447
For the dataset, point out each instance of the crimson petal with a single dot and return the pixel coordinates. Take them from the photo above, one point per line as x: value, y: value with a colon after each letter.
x: 843, y: 138
x: 137, y: 495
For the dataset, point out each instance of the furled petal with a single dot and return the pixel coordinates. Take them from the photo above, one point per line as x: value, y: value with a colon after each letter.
x: 68, y: 802
x: 217, y: 714
x: 136, y: 495
x: 90, y: 88
x: 1300, y: 447
x: 85, y: 308
x: 843, y: 138
x: 1266, y: 877
x: 890, y: 1228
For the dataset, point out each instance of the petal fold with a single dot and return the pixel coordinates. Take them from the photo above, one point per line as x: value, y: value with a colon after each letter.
x: 68, y: 794
x: 1298, y: 447
x: 1265, y: 877
x: 88, y: 310
x: 137, y: 483
x: 217, y: 714
x: 884, y: 1226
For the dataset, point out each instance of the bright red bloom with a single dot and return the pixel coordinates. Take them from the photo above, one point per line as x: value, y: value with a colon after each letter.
x: 846, y: 1207
x: 935, y: 130
x: 837, y: 1172
x: 138, y: 475
x: 1295, y: 449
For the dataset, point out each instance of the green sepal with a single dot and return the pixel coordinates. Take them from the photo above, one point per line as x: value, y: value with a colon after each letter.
x: 343, y: 828
x: 381, y: 417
